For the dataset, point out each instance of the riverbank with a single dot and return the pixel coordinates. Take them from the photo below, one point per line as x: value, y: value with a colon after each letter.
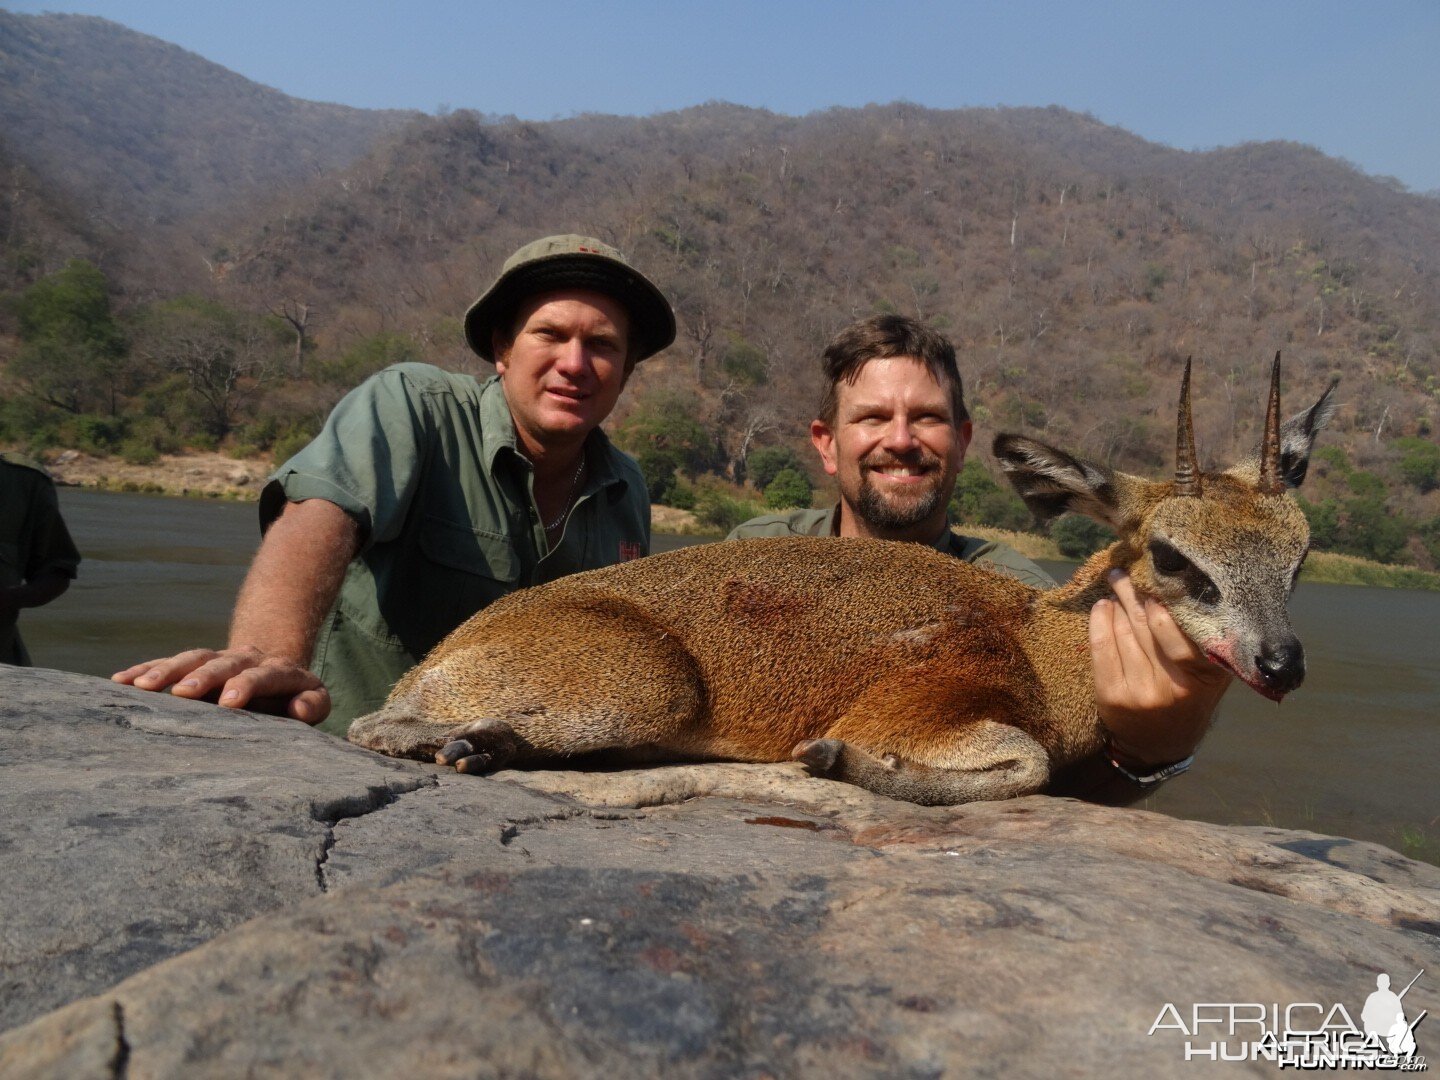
x: 197, y: 474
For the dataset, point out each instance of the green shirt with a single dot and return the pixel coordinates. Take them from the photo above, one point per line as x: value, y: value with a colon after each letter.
x: 427, y: 464
x: 33, y: 539
x: 990, y: 553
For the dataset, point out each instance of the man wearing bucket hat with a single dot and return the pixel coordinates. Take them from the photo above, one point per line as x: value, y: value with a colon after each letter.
x: 430, y: 494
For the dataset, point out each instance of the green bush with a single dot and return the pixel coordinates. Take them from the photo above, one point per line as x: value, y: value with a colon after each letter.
x: 1333, y: 457
x: 763, y: 465
x: 365, y: 357
x: 288, y: 445
x: 96, y: 434
x: 1419, y: 463
x: 25, y: 420
x: 1324, y: 519
x: 155, y: 433
x: 659, y: 467
x: 979, y: 500
x: 1430, y: 537
x: 138, y: 451
x: 744, y: 362
x: 667, y: 422
x: 682, y: 496
x: 1363, y: 526
x: 259, y: 435
x: 1079, y: 537
x: 722, y: 511
x: 788, y: 488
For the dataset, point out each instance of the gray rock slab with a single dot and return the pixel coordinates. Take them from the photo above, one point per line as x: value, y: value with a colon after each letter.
x: 354, y: 916
x: 140, y: 825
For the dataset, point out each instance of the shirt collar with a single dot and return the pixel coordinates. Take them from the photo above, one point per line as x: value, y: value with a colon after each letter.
x: 944, y: 543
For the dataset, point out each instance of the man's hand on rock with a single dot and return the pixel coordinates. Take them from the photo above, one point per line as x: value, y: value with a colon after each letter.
x: 243, y: 678
x: 1155, y: 690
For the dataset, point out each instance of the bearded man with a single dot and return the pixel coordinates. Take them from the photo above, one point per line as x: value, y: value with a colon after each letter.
x: 893, y: 430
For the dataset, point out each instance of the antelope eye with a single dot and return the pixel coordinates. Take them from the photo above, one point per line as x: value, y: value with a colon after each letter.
x: 1172, y: 564
x: 1166, y: 559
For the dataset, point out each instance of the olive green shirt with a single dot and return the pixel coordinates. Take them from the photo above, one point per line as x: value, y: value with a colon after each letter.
x: 991, y: 554
x: 33, y: 539
x: 427, y: 464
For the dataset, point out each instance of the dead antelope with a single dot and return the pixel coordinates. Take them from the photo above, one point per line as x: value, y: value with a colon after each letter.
x: 884, y: 664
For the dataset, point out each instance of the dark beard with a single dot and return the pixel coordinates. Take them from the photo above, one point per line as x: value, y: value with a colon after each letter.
x: 892, y: 515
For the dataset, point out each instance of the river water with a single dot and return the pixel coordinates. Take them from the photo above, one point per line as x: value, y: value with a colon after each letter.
x: 1355, y: 752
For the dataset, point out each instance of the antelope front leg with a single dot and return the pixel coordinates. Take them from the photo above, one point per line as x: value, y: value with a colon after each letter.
x: 400, y: 731
x: 983, y: 761
x: 481, y: 747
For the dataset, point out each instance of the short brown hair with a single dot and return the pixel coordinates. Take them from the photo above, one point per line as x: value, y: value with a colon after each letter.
x: 883, y: 337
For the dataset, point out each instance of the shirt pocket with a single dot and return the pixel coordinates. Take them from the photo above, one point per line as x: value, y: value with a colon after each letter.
x: 465, y: 569
x: 470, y: 550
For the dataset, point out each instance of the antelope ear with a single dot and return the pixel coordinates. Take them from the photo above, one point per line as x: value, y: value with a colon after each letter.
x: 1297, y: 437
x: 1052, y: 482
x: 1297, y: 440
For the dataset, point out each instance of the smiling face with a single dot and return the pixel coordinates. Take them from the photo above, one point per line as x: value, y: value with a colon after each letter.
x: 565, y: 368
x: 895, y: 450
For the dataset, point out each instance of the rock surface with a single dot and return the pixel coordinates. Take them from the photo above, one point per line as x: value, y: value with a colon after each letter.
x: 191, y: 891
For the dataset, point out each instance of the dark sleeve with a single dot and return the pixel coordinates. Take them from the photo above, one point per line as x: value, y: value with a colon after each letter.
x: 50, y: 549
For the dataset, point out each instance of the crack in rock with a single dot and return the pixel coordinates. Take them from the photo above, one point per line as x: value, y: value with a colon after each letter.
x: 376, y: 797
x: 120, y: 1062
x: 510, y: 828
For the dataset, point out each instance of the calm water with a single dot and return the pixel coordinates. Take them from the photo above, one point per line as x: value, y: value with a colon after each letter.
x: 1356, y: 751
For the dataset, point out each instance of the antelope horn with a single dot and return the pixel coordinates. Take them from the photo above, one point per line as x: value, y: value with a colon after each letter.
x: 1270, y: 482
x: 1187, y: 475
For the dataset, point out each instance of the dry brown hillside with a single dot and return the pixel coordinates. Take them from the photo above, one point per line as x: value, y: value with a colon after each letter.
x: 1075, y: 264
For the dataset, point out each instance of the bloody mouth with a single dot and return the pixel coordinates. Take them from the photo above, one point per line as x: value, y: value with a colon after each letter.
x: 1251, y: 681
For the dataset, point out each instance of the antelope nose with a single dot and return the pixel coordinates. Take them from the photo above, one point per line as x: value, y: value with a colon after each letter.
x: 1282, y: 666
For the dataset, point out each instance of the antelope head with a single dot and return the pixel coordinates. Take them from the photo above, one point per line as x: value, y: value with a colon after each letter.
x: 1220, y: 550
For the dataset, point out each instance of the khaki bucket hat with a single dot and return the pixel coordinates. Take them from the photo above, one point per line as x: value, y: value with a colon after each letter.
x: 572, y: 262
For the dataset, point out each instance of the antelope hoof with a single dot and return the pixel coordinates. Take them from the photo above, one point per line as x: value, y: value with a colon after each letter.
x: 820, y: 756
x: 480, y: 747
x: 452, y: 752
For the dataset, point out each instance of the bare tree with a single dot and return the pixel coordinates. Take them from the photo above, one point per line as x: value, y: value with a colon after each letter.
x: 224, y: 355
x: 297, y: 313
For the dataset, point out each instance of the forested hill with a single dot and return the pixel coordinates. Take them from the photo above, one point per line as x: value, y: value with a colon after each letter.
x: 1064, y: 281
x: 150, y: 133
x: 1075, y: 265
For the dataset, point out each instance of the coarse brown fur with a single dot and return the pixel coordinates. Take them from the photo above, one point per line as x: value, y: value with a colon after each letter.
x: 885, y: 664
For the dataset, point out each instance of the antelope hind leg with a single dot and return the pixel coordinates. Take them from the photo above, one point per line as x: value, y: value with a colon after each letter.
x: 525, y: 685
x: 402, y: 730
x: 983, y: 760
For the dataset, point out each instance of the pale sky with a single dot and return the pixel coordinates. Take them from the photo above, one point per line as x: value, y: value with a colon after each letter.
x: 1358, y: 79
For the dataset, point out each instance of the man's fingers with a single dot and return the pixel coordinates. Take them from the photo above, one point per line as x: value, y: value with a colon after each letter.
x: 1103, y: 652
x: 310, y: 706
x: 239, y: 678
x: 1133, y: 665
x: 271, y: 679
x: 1132, y: 624
x: 158, y: 674
x: 1170, y: 641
